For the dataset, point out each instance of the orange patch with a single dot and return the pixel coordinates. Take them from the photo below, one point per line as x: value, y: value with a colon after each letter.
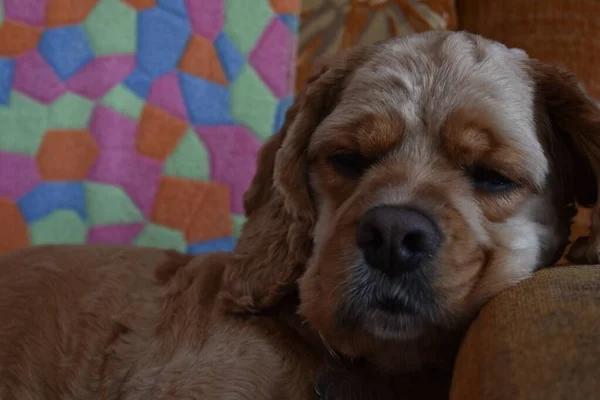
x: 16, y: 38
x: 66, y: 155
x: 67, y: 12
x: 141, y: 4
x: 286, y: 6
x: 158, y: 133
x: 16, y: 237
x: 200, y: 59
x: 212, y: 219
x: 200, y: 209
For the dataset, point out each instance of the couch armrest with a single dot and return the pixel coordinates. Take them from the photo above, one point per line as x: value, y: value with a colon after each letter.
x: 538, y: 340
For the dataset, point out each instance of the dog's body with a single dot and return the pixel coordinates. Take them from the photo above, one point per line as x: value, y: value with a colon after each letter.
x: 411, y: 182
x: 123, y: 323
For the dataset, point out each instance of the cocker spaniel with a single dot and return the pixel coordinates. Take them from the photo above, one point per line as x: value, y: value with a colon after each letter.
x: 412, y: 181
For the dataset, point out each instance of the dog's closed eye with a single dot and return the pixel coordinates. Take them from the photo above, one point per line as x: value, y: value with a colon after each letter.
x: 487, y: 180
x: 349, y: 163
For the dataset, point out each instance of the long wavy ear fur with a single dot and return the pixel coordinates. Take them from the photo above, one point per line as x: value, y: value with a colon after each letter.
x: 276, y: 241
x: 574, y: 119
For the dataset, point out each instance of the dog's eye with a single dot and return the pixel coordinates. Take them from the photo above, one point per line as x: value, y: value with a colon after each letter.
x: 488, y: 180
x: 349, y: 164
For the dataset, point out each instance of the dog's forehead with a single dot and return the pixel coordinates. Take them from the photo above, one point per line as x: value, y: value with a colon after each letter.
x: 434, y: 74
x: 424, y: 79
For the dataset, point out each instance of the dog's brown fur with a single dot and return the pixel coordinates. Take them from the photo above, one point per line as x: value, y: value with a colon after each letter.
x: 123, y: 323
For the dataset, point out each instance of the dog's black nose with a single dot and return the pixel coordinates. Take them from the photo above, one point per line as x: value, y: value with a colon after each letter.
x: 397, y: 239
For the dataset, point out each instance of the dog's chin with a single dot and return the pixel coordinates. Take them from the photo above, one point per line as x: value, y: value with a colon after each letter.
x: 385, y: 308
x: 383, y: 325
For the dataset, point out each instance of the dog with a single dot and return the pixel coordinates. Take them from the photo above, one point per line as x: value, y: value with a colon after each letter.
x: 412, y: 181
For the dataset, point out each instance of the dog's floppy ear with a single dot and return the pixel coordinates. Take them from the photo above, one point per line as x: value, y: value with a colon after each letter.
x: 276, y: 240
x: 574, y: 119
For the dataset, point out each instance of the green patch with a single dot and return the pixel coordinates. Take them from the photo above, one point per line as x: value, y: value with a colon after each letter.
x: 124, y: 101
x: 24, y: 125
x: 109, y: 205
x: 189, y: 159
x: 238, y: 223
x: 161, y: 237
x: 245, y: 21
x: 111, y: 28
x: 60, y: 227
x: 253, y: 104
x: 70, y: 111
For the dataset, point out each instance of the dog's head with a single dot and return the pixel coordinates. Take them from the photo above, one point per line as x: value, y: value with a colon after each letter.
x: 414, y: 180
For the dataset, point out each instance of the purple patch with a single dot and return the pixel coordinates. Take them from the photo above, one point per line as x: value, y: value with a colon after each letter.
x: 115, y: 234
x: 36, y: 78
x: 206, y: 17
x: 100, y: 75
x: 19, y: 175
x: 165, y: 94
x: 273, y: 58
x: 112, y: 130
x: 136, y: 174
x: 30, y: 12
x: 233, y: 151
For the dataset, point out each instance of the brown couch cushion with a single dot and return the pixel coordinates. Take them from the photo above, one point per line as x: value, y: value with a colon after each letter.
x: 538, y: 340
x: 561, y: 32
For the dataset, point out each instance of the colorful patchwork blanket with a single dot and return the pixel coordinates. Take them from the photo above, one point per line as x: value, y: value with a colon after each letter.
x: 137, y: 121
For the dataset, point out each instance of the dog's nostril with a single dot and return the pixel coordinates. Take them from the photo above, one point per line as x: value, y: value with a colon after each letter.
x: 411, y: 251
x: 415, y: 242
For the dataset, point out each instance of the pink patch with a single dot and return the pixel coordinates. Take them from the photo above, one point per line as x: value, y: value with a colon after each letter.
x: 165, y: 94
x: 100, y: 75
x: 35, y: 77
x: 273, y: 58
x: 114, y: 233
x: 233, y: 151
x: 19, y: 175
x: 206, y: 17
x: 112, y: 130
x: 31, y: 12
x: 136, y: 174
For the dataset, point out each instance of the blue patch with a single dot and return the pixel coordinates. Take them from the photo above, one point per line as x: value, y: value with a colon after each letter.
x: 282, y: 107
x: 225, y: 244
x: 290, y: 20
x: 7, y: 71
x: 175, y: 6
x: 66, y: 49
x: 231, y: 58
x: 207, y: 103
x: 50, y: 196
x: 162, y: 37
x: 139, y: 83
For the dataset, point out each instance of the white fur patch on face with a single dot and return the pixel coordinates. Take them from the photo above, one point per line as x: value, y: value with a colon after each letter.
x: 518, y: 242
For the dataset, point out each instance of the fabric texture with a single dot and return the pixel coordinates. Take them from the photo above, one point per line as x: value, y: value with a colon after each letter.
x: 137, y: 121
x: 560, y: 32
x: 538, y: 340
x: 331, y: 25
